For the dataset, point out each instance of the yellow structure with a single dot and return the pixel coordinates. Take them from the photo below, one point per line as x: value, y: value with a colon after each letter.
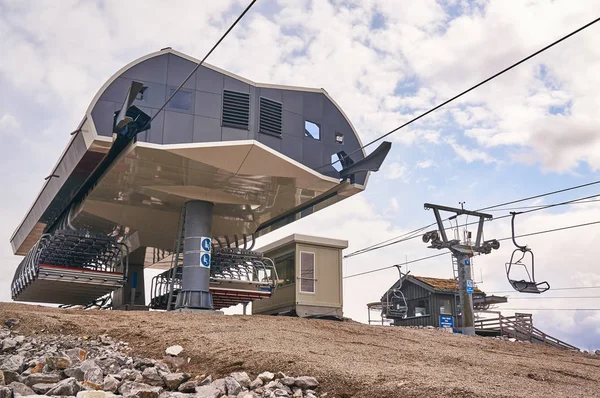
x: 309, y: 270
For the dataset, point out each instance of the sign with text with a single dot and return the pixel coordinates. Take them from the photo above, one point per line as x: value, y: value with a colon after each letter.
x: 447, y: 321
x: 470, y: 286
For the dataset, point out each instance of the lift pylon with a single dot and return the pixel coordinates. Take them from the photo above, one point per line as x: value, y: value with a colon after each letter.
x: 463, y: 253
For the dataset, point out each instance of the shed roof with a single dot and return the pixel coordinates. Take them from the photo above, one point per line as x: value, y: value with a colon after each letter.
x: 439, y: 284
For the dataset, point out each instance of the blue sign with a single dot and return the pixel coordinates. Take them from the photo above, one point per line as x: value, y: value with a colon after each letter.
x: 205, y: 244
x: 446, y: 321
x: 205, y: 260
x: 467, y: 262
x: 470, y: 286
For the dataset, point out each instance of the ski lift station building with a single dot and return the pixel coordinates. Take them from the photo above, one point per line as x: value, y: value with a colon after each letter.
x: 188, y: 188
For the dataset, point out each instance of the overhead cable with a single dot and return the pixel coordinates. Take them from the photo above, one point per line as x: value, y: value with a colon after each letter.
x: 467, y: 90
x: 445, y: 253
x: 203, y: 59
x: 537, y: 208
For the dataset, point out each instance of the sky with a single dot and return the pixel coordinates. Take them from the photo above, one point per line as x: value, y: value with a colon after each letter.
x: 530, y: 131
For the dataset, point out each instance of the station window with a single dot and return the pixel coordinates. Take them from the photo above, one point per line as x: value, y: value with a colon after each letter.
x: 312, y: 130
x: 307, y: 272
x: 181, y: 101
x: 285, y: 269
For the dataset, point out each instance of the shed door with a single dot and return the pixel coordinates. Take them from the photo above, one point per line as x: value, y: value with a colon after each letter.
x: 307, y: 272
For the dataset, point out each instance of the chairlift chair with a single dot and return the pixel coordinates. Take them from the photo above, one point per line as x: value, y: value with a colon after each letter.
x: 523, y: 286
x: 395, y: 305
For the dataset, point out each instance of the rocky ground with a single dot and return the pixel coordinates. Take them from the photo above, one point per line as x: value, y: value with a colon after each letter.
x: 98, y: 354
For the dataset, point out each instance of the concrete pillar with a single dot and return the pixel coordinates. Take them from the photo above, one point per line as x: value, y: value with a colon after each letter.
x: 466, y: 299
x: 195, y: 277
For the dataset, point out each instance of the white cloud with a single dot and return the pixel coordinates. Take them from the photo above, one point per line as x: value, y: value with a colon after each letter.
x: 470, y: 155
x: 395, y: 171
x: 8, y: 123
x: 425, y: 164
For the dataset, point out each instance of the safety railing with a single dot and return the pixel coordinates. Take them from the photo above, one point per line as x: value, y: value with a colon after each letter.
x: 520, y: 327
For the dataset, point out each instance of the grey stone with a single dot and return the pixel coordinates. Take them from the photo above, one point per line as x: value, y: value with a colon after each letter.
x: 188, y: 386
x: 297, y: 393
x: 256, y: 383
x: 152, y: 377
x: 174, y: 394
x: 6, y: 392
x: 305, y: 382
x: 94, y: 378
x: 232, y: 386
x: 77, y: 355
x: 108, y: 365
x: 9, y: 345
x: 130, y: 374
x: 174, y: 350
x: 41, y: 378
x: 2, y: 379
x: 13, y: 363
x: 68, y: 387
x: 11, y: 322
x: 42, y: 388
x: 20, y: 388
x: 111, y: 384
x: 139, y: 390
x: 242, y: 378
x: 266, y: 376
x: 247, y: 394
x: 88, y: 364
x: 58, y: 363
x: 288, y: 381
x: 208, y: 392
x: 74, y: 371
x: 219, y: 384
x: 206, y: 381
x: 281, y: 393
x: 280, y: 375
x: 95, y: 394
x: 174, y: 380
x: 10, y: 376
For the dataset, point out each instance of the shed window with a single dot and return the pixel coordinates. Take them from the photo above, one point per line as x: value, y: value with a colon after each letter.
x: 312, y: 130
x: 445, y: 307
x: 285, y: 269
x: 307, y: 272
x: 419, y: 307
x: 181, y: 101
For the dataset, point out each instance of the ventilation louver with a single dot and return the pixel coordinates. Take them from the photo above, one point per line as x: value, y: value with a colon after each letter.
x: 270, y: 116
x: 236, y: 109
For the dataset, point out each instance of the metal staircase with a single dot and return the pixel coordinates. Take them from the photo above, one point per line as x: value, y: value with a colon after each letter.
x: 237, y: 275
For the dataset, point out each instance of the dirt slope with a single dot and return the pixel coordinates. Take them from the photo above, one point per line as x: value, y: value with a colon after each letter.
x: 350, y: 359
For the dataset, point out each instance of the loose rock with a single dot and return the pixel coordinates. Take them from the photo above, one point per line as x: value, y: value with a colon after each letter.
x: 139, y: 390
x: 5, y: 392
x: 20, y: 388
x: 42, y: 388
x: 174, y: 380
x: 174, y: 350
x: 208, y: 392
x: 67, y: 387
x: 111, y: 384
x: 305, y: 382
x: 58, y: 363
x: 152, y: 377
x: 232, y: 386
x: 242, y: 378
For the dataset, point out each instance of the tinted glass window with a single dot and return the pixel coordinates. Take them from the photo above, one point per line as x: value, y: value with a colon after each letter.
x: 181, y: 101
x: 312, y: 130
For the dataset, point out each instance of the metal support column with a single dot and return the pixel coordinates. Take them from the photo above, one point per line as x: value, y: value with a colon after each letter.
x: 466, y: 299
x: 195, y: 279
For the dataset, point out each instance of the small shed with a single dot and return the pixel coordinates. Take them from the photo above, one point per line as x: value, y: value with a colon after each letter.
x: 428, y: 298
x: 309, y: 269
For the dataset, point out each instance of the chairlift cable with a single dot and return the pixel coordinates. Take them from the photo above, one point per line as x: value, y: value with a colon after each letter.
x: 555, y: 288
x: 467, y: 90
x: 541, y: 207
x: 202, y: 61
x: 510, y: 237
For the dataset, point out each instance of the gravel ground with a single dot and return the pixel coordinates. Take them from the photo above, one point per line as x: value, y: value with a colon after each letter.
x: 348, y: 358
